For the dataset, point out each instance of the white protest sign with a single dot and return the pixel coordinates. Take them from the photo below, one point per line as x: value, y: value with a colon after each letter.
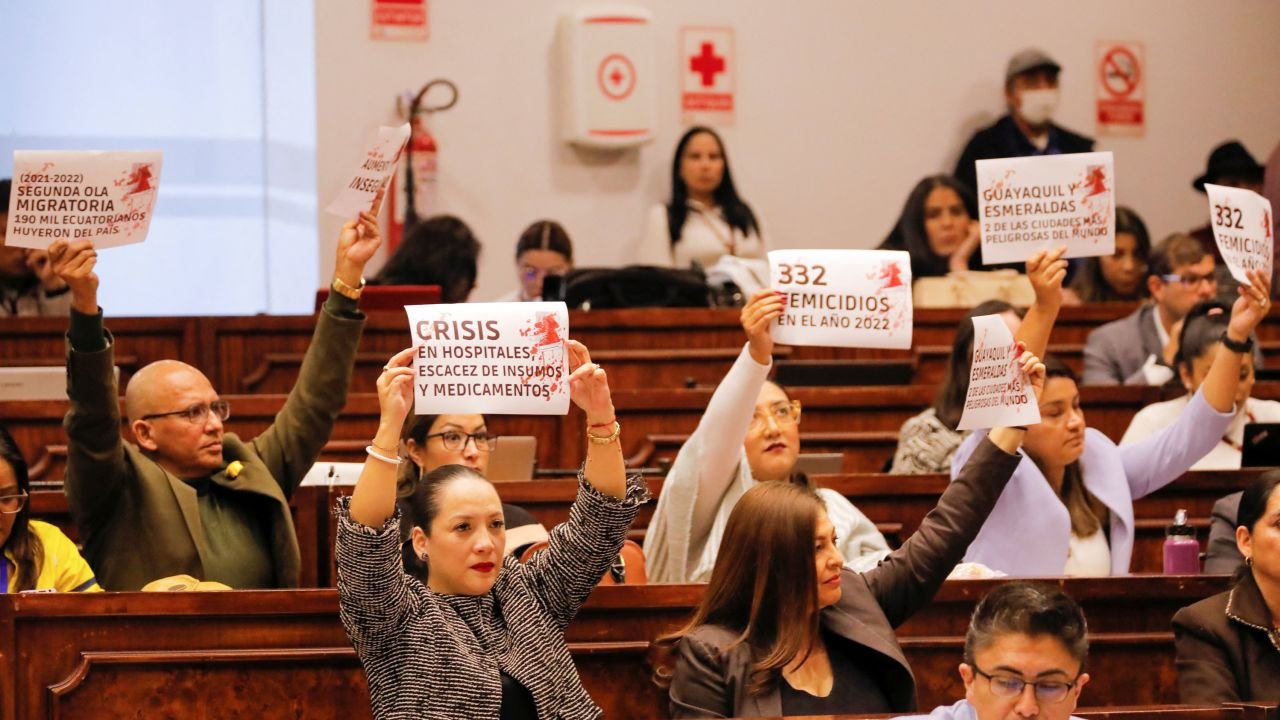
x: 1241, y: 221
x: 497, y: 358
x: 1027, y: 204
x: 103, y: 196
x: 843, y: 298
x: 998, y: 393
x: 378, y: 164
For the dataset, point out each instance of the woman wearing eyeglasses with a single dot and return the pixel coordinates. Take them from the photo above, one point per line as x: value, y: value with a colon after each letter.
x: 433, y: 441
x: 36, y: 555
x: 749, y: 434
x: 544, y: 249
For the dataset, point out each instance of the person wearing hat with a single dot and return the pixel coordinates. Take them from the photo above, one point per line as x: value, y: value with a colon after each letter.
x: 1230, y: 164
x: 1031, y: 92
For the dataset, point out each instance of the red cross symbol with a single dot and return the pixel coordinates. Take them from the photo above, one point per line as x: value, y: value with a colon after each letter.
x: 707, y: 64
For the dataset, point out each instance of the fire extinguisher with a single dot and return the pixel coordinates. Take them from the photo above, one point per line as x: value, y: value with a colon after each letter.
x: 413, y: 191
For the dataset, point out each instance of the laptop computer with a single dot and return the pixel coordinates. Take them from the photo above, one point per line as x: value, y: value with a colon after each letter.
x: 820, y: 463
x: 513, y: 458
x: 1261, y: 447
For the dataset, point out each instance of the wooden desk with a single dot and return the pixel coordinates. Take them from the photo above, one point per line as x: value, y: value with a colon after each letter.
x: 277, y: 654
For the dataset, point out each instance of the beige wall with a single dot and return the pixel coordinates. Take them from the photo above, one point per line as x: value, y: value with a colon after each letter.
x: 843, y: 106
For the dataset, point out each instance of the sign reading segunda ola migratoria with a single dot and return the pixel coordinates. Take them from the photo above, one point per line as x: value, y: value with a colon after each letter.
x: 1034, y: 203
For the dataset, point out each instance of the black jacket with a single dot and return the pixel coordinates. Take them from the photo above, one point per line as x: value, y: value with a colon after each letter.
x: 1003, y: 139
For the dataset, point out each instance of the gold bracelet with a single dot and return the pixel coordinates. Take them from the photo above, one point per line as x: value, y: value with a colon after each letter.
x: 346, y: 290
x: 597, y: 440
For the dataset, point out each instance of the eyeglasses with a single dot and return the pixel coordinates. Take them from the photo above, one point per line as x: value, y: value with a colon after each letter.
x: 11, y: 504
x: 529, y: 272
x: 197, y: 414
x: 1046, y: 691
x: 455, y: 440
x: 783, y: 414
x: 1189, y: 280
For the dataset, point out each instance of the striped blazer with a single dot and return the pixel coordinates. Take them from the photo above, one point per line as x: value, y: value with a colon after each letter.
x: 428, y: 655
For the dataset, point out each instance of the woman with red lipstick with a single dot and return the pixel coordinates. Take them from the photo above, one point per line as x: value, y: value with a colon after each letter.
x: 1069, y: 508
x: 484, y: 636
x: 785, y: 628
x: 749, y: 434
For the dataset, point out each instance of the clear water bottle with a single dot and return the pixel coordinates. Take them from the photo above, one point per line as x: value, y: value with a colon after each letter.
x: 1181, y: 548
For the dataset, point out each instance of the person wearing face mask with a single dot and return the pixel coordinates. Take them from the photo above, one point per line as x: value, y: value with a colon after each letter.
x: 483, y: 637
x: 705, y: 219
x: 750, y: 434
x: 1198, y: 345
x: 1031, y: 93
x: 785, y: 628
x: 938, y: 227
x: 1069, y: 508
x: 432, y: 441
x: 1119, y: 277
x: 544, y: 249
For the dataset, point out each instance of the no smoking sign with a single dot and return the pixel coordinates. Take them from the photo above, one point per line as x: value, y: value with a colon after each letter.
x: 1121, y: 88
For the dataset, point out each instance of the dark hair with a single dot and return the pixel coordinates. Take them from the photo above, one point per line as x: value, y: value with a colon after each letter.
x: 1253, y: 505
x: 22, y: 543
x: 1089, y: 282
x: 1202, y: 328
x: 1177, y: 249
x: 949, y: 403
x: 440, y: 250
x: 424, y: 506
x: 909, y: 233
x: 545, y: 235
x: 5, y: 185
x: 736, y: 212
x: 1028, y: 609
x: 764, y: 585
x: 1087, y: 512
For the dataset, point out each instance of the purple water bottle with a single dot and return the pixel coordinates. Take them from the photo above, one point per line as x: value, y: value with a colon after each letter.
x: 1181, y: 549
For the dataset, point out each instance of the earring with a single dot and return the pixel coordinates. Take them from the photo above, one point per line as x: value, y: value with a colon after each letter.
x: 1249, y: 561
x: 422, y: 556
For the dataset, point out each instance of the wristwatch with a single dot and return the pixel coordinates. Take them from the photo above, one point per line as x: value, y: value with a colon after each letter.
x: 1235, y: 346
x: 346, y: 290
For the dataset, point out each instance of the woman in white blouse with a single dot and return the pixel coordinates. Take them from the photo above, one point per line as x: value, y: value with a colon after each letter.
x: 705, y: 219
x: 1199, y: 343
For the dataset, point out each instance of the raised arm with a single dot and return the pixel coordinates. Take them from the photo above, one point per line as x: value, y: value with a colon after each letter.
x: 1250, y: 308
x: 374, y: 499
x: 96, y: 469
x: 1046, y: 271
x: 589, y: 389
x: 290, y: 446
x: 908, y: 579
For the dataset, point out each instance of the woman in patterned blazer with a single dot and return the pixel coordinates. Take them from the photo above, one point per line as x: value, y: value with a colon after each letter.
x: 484, y: 637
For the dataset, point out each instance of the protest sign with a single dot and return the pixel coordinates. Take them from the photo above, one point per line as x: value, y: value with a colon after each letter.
x: 106, y: 197
x: 1027, y: 204
x: 497, y: 358
x: 998, y: 392
x: 843, y: 298
x: 378, y: 164
x: 1241, y: 222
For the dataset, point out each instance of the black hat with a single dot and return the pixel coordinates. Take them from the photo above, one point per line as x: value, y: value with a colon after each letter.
x: 1229, y: 158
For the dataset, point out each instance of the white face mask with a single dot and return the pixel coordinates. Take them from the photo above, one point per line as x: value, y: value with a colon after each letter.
x: 1037, y: 106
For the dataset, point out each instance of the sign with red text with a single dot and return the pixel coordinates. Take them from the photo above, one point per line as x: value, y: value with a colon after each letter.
x: 843, y: 298
x: 708, y: 75
x: 495, y: 358
x: 1121, y: 85
x: 999, y: 395
x: 398, y: 20
x: 378, y: 164
x: 1032, y: 203
x: 106, y: 197
x: 1242, y: 226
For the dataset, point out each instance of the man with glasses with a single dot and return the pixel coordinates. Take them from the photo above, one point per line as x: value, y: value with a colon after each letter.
x: 1024, y: 656
x: 190, y: 498
x: 1139, y: 349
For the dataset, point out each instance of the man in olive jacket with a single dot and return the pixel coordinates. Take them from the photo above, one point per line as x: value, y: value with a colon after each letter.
x: 189, y: 498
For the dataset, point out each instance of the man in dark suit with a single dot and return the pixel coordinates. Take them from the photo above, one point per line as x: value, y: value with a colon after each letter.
x: 189, y: 498
x: 1031, y: 93
x: 1139, y: 349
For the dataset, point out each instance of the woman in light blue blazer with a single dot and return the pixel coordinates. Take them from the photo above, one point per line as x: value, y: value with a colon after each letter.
x: 1069, y: 508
